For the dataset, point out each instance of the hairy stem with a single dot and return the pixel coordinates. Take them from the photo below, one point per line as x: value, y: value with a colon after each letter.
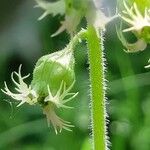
x: 77, y: 38
x: 96, y: 63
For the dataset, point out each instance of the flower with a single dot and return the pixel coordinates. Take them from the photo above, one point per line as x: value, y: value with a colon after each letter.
x: 50, y: 102
x: 62, y: 7
x: 135, y: 18
x: 59, y: 99
x: 139, y: 25
x: 56, y: 121
x: 25, y: 94
x: 53, y: 79
x: 74, y: 12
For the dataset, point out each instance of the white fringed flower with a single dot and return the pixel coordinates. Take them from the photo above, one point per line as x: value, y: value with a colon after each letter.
x: 59, y: 99
x: 25, y: 94
x: 74, y: 15
x: 134, y: 18
x: 56, y: 121
x: 139, y: 24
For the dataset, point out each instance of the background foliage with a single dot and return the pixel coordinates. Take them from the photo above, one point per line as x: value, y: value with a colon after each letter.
x: 23, y: 40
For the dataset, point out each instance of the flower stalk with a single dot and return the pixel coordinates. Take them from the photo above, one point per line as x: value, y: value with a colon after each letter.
x: 98, y: 112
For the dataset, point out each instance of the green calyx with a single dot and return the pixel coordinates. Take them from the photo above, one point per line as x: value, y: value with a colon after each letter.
x: 51, y: 70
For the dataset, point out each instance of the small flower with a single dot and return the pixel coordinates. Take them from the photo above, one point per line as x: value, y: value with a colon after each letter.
x: 74, y: 14
x: 59, y: 99
x: 135, y: 18
x: 56, y: 121
x: 25, y: 94
x: 61, y: 7
x: 139, y: 25
x: 53, y: 79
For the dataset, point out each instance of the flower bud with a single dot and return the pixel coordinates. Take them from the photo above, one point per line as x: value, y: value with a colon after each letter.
x: 51, y: 70
x: 53, y: 78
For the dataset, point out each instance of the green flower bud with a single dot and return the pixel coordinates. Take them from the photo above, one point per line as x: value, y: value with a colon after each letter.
x: 53, y: 78
x: 51, y: 70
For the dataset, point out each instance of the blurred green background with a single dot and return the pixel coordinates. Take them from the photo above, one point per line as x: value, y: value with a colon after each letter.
x: 23, y: 40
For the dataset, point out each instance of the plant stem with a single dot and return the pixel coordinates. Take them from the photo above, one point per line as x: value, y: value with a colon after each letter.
x: 77, y: 38
x: 96, y: 62
x: 98, y: 114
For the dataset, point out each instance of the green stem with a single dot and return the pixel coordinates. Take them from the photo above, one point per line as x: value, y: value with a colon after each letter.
x: 77, y: 38
x: 96, y: 62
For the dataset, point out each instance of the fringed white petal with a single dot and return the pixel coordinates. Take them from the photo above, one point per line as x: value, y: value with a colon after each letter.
x: 135, y: 18
x: 59, y: 99
x: 56, y: 121
x: 25, y: 94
